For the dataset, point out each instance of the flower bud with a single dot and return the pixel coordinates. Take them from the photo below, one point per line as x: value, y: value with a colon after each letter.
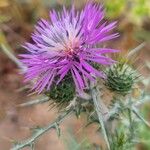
x: 121, y: 78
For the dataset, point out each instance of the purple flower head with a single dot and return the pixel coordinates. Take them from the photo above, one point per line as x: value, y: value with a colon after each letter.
x: 67, y: 44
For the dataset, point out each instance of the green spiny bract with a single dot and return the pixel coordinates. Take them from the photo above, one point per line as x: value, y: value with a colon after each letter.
x: 121, y: 78
x: 62, y: 93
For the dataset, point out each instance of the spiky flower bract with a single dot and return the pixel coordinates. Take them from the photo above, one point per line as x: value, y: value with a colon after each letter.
x: 62, y: 93
x: 67, y: 45
x: 121, y: 78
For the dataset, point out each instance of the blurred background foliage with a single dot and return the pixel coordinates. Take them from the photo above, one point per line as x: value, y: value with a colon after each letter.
x: 20, y: 16
x: 17, y: 19
x: 30, y: 10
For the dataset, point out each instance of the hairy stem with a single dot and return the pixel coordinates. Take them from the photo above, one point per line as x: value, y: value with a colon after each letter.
x: 30, y: 141
x: 98, y: 107
x: 34, y: 102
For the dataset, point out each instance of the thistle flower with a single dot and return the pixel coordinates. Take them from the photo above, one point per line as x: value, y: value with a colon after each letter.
x: 67, y: 45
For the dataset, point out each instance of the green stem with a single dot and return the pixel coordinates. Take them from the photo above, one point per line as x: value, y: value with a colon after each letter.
x: 131, y: 129
x: 135, y: 111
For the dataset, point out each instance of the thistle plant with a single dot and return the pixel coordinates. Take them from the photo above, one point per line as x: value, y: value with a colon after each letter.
x: 60, y: 66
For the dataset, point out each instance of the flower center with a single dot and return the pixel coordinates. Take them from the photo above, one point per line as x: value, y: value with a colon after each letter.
x: 72, y: 47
